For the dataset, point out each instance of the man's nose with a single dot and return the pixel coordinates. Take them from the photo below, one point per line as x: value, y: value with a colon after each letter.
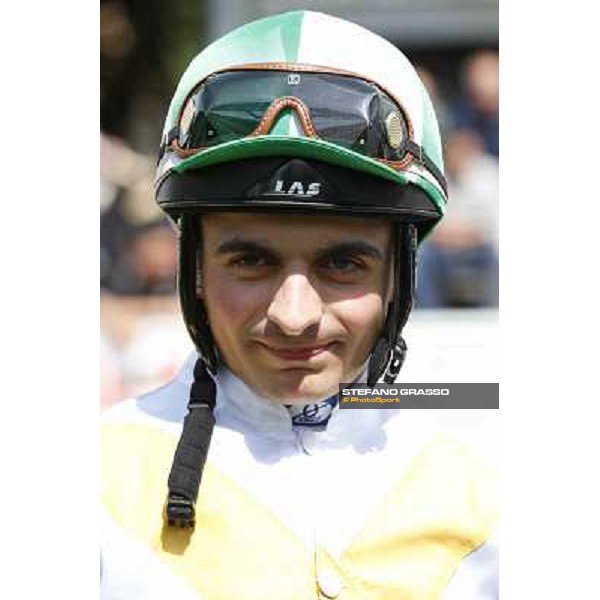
x: 296, y: 305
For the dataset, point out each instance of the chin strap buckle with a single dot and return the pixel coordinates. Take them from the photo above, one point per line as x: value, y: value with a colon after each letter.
x: 180, y: 512
x: 396, y: 361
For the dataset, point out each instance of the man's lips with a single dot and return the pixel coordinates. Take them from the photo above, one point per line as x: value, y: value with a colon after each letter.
x: 297, y: 352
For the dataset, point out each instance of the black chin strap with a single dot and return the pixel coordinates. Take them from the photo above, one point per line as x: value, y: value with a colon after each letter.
x: 389, y: 352
x: 192, y: 449
x: 194, y: 312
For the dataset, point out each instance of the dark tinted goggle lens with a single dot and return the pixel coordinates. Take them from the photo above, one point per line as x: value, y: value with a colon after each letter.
x: 344, y: 110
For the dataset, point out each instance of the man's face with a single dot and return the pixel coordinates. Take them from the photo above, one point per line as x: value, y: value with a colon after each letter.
x: 295, y: 303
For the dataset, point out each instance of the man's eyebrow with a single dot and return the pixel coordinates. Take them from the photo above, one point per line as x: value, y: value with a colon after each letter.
x: 357, y: 247
x: 238, y: 245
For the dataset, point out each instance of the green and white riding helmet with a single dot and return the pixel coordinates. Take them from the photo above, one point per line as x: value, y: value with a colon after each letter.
x: 309, y: 113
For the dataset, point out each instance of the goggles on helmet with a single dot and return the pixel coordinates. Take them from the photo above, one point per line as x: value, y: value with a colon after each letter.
x: 344, y: 109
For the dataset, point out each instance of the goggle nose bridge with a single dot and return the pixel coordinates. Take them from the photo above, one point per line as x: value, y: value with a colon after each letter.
x: 275, y: 109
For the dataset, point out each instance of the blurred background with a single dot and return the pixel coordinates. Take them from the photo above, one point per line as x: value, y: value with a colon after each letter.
x: 144, y: 48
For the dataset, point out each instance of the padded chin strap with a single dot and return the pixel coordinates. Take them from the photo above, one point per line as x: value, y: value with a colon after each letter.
x: 194, y: 312
x: 389, y: 352
x: 192, y: 449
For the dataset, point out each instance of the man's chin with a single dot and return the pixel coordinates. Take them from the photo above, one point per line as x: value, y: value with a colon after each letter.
x: 300, y: 386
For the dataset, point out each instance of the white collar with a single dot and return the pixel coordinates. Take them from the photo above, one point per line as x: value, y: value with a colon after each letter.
x: 239, y: 407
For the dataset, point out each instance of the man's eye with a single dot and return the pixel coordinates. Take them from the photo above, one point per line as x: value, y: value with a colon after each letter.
x: 249, y: 261
x: 344, y: 265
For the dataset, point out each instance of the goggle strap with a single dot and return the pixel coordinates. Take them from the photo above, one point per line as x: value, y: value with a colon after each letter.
x: 184, y: 152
